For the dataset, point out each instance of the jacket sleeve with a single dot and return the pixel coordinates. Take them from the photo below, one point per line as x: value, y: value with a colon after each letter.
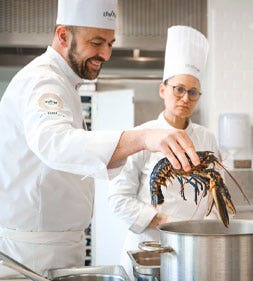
x: 124, y: 195
x: 55, y: 136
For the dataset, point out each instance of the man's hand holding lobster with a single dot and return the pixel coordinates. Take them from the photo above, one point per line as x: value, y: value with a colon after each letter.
x: 173, y: 143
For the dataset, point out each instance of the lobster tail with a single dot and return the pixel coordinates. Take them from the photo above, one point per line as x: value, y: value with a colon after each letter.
x: 159, y: 176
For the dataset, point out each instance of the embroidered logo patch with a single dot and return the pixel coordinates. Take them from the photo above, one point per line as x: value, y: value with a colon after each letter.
x: 50, y: 102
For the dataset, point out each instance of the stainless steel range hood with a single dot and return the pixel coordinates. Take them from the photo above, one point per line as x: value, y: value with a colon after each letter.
x: 141, y: 24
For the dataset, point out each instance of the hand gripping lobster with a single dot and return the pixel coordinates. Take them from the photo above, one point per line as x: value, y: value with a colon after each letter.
x: 201, y: 177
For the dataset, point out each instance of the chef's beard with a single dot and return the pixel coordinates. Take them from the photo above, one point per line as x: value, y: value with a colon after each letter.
x: 80, y: 67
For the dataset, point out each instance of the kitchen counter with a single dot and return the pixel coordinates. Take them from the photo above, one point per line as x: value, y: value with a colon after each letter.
x: 112, y: 273
x: 14, y: 278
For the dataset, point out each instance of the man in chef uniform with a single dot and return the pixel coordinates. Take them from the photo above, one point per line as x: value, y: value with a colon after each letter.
x: 46, y: 151
x: 129, y: 193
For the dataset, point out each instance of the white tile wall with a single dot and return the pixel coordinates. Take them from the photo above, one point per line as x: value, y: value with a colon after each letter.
x: 230, y: 63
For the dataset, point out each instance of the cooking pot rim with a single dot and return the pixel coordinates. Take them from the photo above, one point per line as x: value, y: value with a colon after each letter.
x: 237, y: 227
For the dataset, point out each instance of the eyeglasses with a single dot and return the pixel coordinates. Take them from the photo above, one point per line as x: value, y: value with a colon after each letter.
x: 180, y: 91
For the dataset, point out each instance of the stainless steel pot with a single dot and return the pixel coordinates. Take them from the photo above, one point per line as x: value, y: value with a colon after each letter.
x: 207, y: 251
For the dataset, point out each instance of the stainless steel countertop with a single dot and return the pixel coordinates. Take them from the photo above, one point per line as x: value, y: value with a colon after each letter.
x: 114, y: 270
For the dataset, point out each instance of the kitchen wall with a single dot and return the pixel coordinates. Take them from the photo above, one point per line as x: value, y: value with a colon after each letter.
x: 6, y: 73
x: 229, y: 74
x: 230, y: 66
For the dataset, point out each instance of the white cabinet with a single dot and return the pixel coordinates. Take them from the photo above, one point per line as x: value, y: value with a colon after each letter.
x: 106, y: 110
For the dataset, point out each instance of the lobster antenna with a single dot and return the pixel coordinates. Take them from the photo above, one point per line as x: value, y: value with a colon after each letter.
x: 236, y: 182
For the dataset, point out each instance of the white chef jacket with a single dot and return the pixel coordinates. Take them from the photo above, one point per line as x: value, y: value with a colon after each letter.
x: 129, y: 193
x: 45, y: 151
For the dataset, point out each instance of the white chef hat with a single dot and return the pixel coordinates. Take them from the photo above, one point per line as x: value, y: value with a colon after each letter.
x: 89, y: 13
x: 186, y: 52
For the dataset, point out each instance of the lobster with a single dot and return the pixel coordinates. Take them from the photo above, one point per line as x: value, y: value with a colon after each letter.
x: 202, y: 177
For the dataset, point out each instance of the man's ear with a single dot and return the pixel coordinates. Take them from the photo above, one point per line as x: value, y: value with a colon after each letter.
x: 63, y: 35
x: 162, y: 90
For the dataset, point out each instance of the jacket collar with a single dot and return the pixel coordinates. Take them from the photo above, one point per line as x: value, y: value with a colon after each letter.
x: 74, y: 79
x: 164, y: 124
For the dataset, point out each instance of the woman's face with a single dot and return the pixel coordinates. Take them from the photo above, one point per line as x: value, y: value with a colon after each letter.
x: 176, y: 106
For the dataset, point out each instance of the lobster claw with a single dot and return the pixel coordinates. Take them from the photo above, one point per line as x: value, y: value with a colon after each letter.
x: 220, y: 196
x: 230, y: 206
x: 220, y: 206
x: 210, y: 203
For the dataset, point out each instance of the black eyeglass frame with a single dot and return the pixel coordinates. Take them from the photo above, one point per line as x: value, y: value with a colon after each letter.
x: 189, y: 92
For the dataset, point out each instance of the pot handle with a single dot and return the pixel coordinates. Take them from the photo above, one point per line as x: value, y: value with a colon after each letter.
x: 154, y: 246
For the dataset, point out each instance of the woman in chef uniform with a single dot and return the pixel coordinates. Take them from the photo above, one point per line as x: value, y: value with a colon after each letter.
x: 45, y: 150
x: 129, y: 196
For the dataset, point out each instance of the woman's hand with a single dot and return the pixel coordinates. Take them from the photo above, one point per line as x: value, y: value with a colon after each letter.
x: 158, y: 219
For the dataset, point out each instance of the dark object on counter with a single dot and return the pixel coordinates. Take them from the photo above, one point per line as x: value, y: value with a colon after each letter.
x: 89, y: 273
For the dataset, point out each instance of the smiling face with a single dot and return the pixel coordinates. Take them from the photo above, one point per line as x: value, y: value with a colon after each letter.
x: 89, y: 49
x: 84, y: 48
x: 179, y: 109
